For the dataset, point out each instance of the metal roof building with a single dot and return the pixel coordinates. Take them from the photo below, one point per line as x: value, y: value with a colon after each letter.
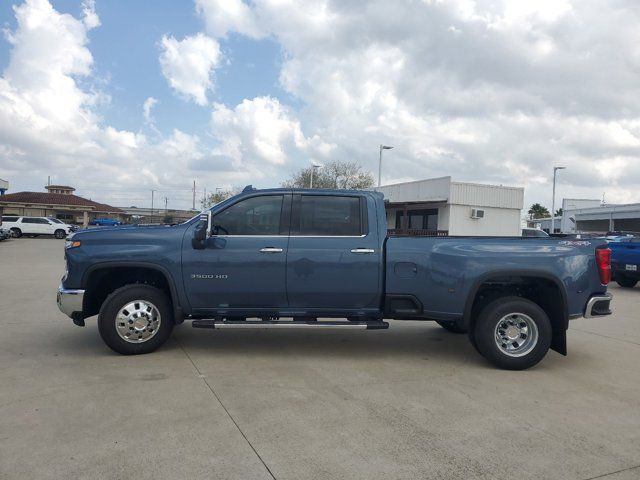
x: 456, y: 208
x: 595, y: 217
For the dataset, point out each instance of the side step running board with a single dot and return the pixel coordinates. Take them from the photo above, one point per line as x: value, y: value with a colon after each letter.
x: 288, y: 324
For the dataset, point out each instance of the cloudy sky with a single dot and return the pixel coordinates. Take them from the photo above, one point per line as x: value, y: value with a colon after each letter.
x: 117, y: 98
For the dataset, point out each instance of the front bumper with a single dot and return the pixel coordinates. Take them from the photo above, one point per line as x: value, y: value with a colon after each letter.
x: 70, y: 301
x: 598, y: 306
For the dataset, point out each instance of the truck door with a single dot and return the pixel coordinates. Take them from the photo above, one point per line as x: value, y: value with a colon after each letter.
x: 243, y: 265
x: 334, y: 259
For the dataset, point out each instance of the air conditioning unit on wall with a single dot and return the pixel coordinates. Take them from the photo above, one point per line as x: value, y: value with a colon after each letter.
x: 477, y: 213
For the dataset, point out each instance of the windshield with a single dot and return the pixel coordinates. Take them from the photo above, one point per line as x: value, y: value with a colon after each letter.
x: 55, y: 220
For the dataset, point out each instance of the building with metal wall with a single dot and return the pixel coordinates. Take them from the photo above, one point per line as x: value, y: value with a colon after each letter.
x: 454, y: 208
x: 590, y: 216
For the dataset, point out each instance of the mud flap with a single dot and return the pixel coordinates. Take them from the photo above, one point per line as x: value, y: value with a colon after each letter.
x: 559, y: 340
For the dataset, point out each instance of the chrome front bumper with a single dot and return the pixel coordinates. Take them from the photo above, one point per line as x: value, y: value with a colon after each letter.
x: 70, y: 301
x: 598, y: 306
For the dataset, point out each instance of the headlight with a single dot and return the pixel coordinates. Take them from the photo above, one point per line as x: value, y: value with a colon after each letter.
x: 71, y: 244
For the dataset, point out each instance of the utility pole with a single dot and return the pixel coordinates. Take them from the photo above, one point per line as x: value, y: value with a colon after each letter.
x: 194, y: 196
x: 382, y: 147
x: 165, y: 206
x: 553, y: 200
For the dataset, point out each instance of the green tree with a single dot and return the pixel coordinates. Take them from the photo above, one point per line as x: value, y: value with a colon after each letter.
x: 215, y: 198
x: 335, y: 174
x: 538, y: 211
x: 558, y: 212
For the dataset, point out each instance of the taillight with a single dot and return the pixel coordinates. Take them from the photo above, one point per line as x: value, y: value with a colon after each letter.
x: 603, y: 259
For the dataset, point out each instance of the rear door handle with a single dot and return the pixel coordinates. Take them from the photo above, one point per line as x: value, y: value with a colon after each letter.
x: 270, y: 250
x: 363, y: 250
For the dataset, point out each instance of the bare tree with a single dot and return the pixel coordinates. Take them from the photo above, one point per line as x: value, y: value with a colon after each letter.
x: 217, y: 197
x: 336, y: 174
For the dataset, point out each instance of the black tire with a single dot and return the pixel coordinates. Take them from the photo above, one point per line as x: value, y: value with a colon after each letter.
x: 16, y: 232
x: 518, y: 311
x: 60, y: 234
x: 118, y: 300
x: 451, y: 326
x: 626, y: 282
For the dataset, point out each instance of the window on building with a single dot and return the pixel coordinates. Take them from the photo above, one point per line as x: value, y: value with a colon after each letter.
x: 330, y: 215
x: 419, y: 219
x: 253, y: 216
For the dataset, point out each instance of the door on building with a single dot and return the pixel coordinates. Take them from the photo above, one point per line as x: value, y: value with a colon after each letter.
x: 418, y: 219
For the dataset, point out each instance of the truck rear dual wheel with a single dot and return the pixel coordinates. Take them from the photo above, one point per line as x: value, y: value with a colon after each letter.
x: 513, y: 333
x: 135, y: 319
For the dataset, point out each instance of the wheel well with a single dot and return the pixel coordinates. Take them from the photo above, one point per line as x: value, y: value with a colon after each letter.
x: 104, y: 281
x: 544, y: 292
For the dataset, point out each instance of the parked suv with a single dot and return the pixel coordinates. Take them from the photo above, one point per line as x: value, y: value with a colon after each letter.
x: 36, y: 226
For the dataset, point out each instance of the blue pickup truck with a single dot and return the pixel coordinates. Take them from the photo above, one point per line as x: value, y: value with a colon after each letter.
x: 625, y: 261
x: 288, y: 258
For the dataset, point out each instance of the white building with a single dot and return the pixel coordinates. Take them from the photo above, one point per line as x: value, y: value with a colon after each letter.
x: 581, y: 216
x: 440, y: 204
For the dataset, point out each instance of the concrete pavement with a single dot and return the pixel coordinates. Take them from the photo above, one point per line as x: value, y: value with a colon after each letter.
x: 411, y: 402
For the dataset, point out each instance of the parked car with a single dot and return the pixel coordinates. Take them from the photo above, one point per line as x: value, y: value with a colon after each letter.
x: 20, y: 226
x: 4, y: 233
x: 74, y: 228
x: 534, y: 232
x: 625, y: 261
x: 315, y: 254
x: 104, y: 222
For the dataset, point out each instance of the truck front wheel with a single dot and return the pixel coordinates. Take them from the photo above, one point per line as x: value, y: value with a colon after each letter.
x: 135, y: 319
x: 513, y: 333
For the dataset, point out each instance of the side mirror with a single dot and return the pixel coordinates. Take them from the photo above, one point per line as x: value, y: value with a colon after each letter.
x: 201, y: 232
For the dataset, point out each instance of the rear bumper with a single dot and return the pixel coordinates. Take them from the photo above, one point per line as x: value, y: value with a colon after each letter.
x: 598, y: 306
x: 70, y: 301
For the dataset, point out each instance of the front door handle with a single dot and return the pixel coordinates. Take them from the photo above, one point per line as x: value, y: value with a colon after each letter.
x: 363, y: 250
x: 270, y: 250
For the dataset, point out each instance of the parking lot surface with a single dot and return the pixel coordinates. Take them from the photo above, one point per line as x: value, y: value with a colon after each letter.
x: 411, y: 402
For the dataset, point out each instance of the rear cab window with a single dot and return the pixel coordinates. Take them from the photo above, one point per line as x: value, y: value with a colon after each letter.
x: 329, y: 215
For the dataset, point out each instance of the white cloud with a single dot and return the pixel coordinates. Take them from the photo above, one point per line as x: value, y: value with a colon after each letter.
x: 484, y: 91
x: 223, y: 16
x: 188, y: 65
x: 50, y: 125
x: 262, y: 132
x: 147, y: 106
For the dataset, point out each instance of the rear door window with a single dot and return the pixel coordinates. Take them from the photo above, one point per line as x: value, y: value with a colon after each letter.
x: 329, y: 215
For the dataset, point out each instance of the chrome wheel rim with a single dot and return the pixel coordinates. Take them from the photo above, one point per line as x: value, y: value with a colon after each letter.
x: 138, y: 321
x: 516, y: 334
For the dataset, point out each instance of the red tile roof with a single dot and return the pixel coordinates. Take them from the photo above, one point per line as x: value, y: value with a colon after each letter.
x: 43, y: 198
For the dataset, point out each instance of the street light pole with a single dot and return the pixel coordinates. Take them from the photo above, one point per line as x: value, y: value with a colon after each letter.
x: 313, y: 169
x: 152, y: 192
x: 553, y: 200
x: 382, y: 147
